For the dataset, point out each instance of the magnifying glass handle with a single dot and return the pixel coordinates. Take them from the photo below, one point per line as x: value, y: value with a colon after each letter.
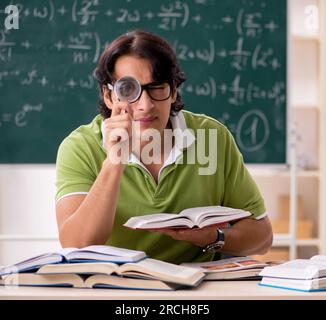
x: 123, y: 111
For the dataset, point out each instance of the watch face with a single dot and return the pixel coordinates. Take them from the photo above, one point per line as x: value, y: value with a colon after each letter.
x: 214, y: 246
x: 218, y: 245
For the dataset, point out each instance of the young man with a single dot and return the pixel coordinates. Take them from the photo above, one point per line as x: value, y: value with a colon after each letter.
x: 96, y: 194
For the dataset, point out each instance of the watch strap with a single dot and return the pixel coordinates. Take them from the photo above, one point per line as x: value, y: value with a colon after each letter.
x: 218, y: 244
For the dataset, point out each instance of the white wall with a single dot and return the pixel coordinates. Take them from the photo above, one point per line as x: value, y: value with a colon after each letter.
x: 26, y: 211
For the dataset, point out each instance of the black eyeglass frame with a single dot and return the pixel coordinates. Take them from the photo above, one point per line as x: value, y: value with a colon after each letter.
x: 144, y: 87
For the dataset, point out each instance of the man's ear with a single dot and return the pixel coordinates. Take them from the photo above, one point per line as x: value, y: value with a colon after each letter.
x: 106, y: 97
x: 174, y: 95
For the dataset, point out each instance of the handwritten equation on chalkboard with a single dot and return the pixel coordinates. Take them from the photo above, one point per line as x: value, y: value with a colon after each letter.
x: 233, y: 53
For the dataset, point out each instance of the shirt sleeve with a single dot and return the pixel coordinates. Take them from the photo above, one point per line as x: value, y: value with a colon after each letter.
x: 73, y: 172
x: 241, y: 190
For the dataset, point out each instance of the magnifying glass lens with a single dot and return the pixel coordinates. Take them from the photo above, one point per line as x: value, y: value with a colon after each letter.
x: 127, y: 89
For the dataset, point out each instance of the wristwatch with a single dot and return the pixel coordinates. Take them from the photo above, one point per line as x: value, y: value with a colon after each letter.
x: 218, y: 244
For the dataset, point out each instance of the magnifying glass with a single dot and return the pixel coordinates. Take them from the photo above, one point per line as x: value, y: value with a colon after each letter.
x: 127, y: 89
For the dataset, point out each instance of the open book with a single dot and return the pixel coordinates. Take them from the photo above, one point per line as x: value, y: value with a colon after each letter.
x: 145, y: 274
x: 91, y: 253
x: 231, y: 269
x: 80, y: 281
x: 298, y: 274
x: 147, y: 268
x: 189, y: 218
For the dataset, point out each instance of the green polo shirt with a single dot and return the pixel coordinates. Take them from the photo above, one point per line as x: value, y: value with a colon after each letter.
x: 184, y: 182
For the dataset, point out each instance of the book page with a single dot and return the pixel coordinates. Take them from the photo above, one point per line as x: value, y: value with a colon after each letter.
x: 157, y: 217
x: 218, y: 220
x: 113, y: 251
x: 105, y: 254
x: 33, y: 279
x: 159, y: 267
x: 319, y: 258
x: 143, y: 221
x: 300, y: 264
x: 107, y: 281
x: 175, y: 223
x: 163, y: 271
x: 297, y: 269
x: 103, y: 249
x: 199, y: 213
x: 32, y: 263
x: 228, y: 265
x: 66, y: 251
x: 79, y: 268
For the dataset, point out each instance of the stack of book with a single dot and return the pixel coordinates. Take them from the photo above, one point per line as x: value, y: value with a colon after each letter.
x: 100, y: 267
x: 300, y: 274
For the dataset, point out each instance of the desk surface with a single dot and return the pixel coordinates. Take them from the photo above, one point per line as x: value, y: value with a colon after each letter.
x: 208, y: 290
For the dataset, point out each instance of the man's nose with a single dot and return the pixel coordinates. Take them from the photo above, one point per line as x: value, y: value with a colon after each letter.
x: 145, y: 102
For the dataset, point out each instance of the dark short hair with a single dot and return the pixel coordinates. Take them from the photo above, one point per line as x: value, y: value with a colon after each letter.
x: 145, y: 45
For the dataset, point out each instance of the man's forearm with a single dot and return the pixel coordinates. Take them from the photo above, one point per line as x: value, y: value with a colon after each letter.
x: 247, y: 237
x: 93, y: 220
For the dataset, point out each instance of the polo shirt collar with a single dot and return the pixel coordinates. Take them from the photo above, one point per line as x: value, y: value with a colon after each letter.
x: 184, y: 138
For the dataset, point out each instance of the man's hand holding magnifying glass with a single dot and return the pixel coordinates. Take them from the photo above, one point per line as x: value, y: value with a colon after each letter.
x: 118, y: 128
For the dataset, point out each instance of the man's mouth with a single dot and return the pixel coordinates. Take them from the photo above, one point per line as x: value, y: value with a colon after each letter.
x: 146, y: 119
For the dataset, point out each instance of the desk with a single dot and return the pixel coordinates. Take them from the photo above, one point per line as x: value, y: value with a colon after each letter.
x: 208, y: 290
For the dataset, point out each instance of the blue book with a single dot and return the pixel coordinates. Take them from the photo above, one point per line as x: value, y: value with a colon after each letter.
x: 97, y: 253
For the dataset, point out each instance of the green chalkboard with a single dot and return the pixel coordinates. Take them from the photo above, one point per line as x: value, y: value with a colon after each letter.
x: 233, y: 53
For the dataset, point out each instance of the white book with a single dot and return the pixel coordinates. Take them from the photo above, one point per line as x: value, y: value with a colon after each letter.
x: 90, y: 253
x: 304, y: 269
x: 197, y: 217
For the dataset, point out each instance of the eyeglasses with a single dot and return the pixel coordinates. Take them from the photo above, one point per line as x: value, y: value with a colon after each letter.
x: 156, y: 91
